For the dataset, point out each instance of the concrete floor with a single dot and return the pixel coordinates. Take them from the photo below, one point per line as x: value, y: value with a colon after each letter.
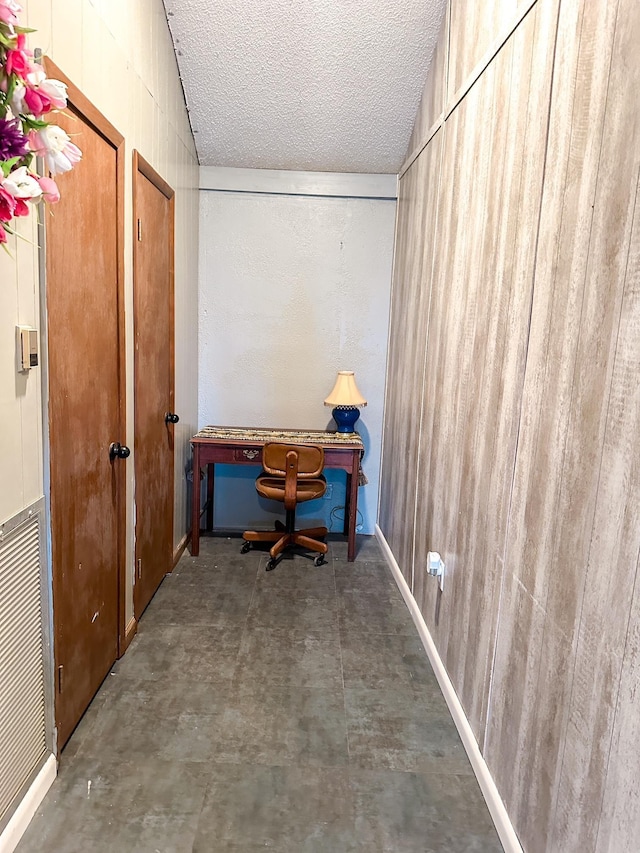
x: 292, y: 711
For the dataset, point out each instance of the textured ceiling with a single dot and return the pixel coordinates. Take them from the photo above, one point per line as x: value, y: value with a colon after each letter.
x: 317, y: 85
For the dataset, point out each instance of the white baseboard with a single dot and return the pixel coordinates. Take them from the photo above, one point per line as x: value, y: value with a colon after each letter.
x: 20, y: 820
x: 496, y: 807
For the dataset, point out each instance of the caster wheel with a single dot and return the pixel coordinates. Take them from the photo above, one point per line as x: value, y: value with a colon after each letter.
x: 319, y: 561
x: 271, y: 565
x: 246, y: 547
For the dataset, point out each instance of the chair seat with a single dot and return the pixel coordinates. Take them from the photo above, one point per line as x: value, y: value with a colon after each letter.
x: 306, y: 490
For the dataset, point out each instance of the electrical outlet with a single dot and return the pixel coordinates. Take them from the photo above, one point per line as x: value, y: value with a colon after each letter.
x: 435, y: 567
x: 328, y: 495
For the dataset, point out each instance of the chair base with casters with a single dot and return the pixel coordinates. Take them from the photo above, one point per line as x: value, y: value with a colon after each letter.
x: 292, y: 475
x: 285, y: 536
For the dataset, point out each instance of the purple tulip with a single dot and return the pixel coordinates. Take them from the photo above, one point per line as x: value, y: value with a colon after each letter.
x: 13, y: 142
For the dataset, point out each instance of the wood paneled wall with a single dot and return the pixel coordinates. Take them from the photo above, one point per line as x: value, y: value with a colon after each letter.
x: 416, y: 223
x: 433, y: 98
x: 513, y: 402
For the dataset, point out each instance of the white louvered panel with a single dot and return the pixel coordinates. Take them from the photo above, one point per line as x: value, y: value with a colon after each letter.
x: 22, y: 689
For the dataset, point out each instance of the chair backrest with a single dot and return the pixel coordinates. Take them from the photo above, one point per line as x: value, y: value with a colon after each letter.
x: 310, y: 459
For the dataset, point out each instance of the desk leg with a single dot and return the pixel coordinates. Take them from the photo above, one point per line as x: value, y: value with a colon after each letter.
x: 352, y: 507
x: 347, y: 506
x: 195, y: 503
x: 210, y: 481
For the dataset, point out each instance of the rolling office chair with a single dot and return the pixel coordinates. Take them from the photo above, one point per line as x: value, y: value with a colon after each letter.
x: 292, y: 474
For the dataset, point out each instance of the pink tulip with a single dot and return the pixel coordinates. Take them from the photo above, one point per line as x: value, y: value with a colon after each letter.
x: 7, y: 207
x: 35, y: 104
x: 9, y: 11
x: 22, y: 208
x: 42, y: 96
x: 18, y: 60
x: 50, y: 191
x: 3, y: 235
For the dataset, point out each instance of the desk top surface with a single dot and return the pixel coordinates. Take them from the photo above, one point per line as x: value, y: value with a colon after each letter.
x: 261, y: 435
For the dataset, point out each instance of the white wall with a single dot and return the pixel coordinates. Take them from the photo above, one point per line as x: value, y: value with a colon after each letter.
x: 294, y: 286
x: 21, y: 455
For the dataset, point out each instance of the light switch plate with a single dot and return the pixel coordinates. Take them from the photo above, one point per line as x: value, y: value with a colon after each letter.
x: 26, y: 347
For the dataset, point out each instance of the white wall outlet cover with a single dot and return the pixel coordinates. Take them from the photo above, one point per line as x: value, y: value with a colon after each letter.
x: 433, y: 563
x: 435, y: 567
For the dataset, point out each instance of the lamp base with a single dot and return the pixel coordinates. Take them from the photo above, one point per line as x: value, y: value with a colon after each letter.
x: 345, y: 417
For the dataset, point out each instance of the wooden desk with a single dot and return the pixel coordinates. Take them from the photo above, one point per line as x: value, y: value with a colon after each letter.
x: 243, y: 446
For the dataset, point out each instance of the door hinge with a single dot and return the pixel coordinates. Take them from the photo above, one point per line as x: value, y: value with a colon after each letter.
x: 140, y: 230
x: 139, y: 569
x: 60, y: 668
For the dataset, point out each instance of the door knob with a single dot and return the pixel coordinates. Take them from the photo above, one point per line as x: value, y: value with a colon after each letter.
x: 121, y: 451
x: 170, y: 418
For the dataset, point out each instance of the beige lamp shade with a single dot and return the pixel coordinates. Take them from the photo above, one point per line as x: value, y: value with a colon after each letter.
x: 345, y: 391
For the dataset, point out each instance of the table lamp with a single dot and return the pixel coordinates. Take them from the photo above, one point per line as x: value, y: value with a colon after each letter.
x: 345, y: 399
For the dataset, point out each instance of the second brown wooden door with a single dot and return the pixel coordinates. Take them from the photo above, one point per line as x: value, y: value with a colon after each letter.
x: 153, y: 380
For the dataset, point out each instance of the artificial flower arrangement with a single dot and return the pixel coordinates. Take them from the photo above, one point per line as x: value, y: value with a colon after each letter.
x: 26, y: 97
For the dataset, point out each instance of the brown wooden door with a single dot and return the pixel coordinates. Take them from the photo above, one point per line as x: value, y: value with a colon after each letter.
x: 86, y: 413
x: 154, y: 379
